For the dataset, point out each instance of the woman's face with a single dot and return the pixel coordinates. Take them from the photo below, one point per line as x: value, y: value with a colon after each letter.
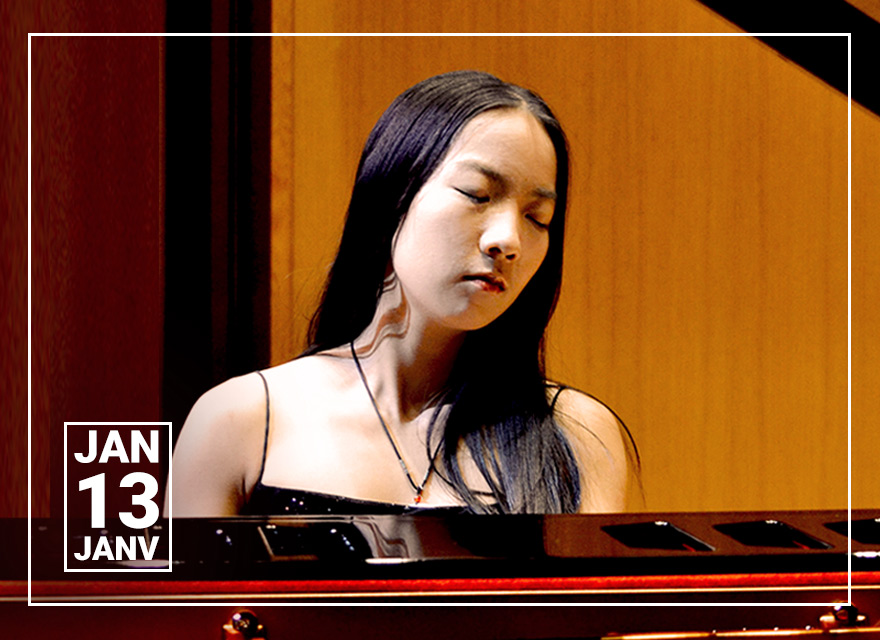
x: 477, y: 230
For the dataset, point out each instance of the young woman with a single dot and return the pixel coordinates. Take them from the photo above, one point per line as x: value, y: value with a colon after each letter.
x: 424, y: 384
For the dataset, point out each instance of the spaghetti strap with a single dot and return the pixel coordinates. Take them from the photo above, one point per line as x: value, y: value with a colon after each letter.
x: 632, y: 449
x: 266, y: 435
x: 556, y: 395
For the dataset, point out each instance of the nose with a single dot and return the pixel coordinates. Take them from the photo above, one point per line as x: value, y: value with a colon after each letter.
x: 501, y: 235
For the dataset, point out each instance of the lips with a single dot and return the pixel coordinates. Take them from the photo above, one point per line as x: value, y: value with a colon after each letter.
x: 489, y: 280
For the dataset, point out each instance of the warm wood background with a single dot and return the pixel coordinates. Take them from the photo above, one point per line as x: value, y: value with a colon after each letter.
x: 865, y: 308
x: 705, y: 293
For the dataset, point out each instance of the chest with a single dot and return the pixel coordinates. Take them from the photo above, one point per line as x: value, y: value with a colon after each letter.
x: 341, y: 447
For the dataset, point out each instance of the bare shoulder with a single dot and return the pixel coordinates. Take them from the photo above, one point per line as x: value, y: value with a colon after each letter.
x: 319, y: 371
x: 235, y: 398
x: 233, y: 410
x: 601, y: 445
x: 218, y: 454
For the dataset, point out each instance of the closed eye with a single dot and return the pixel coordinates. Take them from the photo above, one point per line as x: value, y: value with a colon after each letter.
x: 473, y: 197
x: 538, y: 223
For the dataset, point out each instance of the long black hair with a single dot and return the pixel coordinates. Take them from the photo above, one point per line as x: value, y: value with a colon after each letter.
x: 496, y: 400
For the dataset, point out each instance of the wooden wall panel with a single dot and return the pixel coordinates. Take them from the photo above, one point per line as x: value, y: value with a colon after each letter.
x: 91, y: 137
x: 865, y: 308
x: 494, y: 16
x: 706, y: 266
x: 97, y: 241
x: 13, y: 260
x: 868, y: 7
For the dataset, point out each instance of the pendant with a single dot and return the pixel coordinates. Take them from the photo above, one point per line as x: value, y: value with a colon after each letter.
x: 418, y: 498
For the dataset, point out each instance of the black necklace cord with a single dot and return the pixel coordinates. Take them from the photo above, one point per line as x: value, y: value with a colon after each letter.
x: 418, y: 488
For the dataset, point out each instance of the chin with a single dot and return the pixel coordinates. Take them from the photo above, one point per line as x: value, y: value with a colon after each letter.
x: 474, y: 319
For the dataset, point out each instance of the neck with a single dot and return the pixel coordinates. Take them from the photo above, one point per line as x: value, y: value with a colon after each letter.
x: 407, y: 362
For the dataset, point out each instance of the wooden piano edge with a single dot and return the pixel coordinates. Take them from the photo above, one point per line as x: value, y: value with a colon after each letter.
x: 241, y: 590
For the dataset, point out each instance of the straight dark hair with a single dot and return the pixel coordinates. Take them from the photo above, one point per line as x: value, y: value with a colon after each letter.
x: 505, y: 421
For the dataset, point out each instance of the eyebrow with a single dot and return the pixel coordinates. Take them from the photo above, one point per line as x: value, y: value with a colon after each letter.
x: 493, y: 175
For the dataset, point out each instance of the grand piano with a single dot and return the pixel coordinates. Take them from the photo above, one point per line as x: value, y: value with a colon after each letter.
x: 709, y: 574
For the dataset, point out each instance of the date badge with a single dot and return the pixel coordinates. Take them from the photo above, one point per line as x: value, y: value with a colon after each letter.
x: 114, y: 491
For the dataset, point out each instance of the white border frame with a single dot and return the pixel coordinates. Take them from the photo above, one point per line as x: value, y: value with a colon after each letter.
x: 493, y: 35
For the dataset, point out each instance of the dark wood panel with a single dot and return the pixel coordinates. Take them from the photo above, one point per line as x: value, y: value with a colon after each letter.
x: 69, y: 158
x: 97, y: 225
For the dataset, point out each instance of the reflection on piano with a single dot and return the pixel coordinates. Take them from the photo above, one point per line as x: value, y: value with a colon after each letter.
x: 731, y: 558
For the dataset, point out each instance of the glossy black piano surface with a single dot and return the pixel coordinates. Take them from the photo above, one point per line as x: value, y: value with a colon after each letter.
x: 460, y: 546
